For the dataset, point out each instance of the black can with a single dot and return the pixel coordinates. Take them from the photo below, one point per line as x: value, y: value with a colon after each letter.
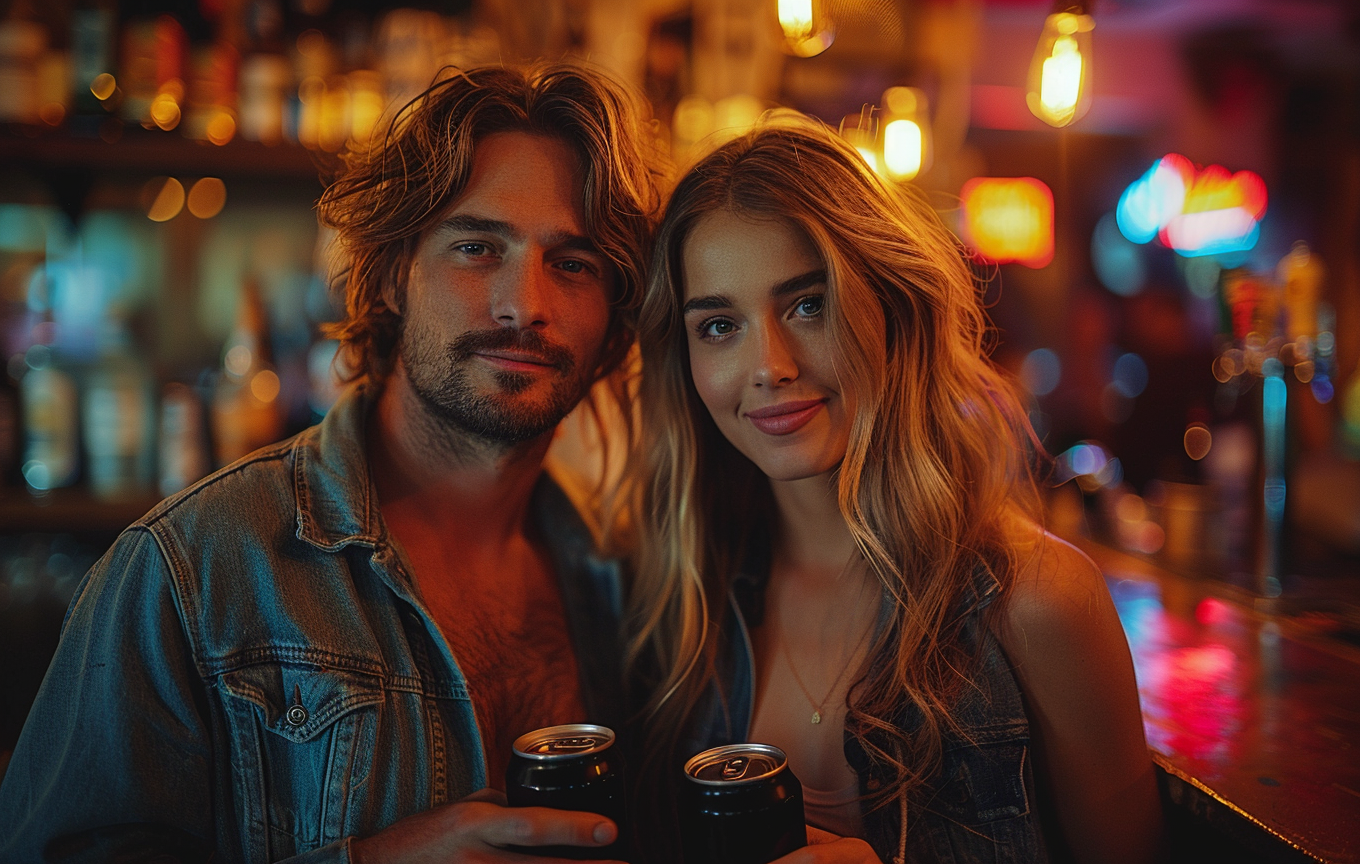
x: 574, y: 767
x: 741, y: 804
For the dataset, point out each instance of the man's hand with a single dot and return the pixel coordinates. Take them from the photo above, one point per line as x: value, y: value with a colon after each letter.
x: 475, y: 829
x: 827, y: 848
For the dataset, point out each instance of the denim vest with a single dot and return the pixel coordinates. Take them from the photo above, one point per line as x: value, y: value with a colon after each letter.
x: 977, y: 807
x: 250, y: 673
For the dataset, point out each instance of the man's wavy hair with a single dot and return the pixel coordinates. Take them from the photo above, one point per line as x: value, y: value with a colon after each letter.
x: 393, y: 190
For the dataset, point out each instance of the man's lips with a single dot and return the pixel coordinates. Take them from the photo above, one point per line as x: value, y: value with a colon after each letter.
x: 786, y: 417
x: 516, y: 361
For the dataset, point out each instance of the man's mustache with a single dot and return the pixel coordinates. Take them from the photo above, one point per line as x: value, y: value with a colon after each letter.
x: 508, y: 339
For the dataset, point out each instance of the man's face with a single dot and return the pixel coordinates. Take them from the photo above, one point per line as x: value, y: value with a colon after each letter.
x: 507, y: 301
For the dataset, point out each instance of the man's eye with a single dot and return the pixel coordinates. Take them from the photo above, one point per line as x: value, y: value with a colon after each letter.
x: 573, y: 266
x: 810, y: 306
x: 473, y: 249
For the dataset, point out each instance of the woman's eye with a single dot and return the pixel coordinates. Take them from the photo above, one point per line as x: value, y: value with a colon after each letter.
x: 809, y: 306
x: 716, y: 327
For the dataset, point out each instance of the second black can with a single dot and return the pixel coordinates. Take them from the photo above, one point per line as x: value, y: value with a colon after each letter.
x: 741, y: 804
x: 574, y: 767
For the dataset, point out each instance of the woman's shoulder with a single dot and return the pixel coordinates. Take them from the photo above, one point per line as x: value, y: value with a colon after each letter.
x: 1056, y: 605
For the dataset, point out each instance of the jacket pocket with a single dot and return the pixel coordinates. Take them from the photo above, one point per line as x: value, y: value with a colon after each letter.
x: 979, y: 809
x: 303, y: 739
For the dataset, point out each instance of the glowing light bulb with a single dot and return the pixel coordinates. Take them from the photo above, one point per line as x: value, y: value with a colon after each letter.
x: 1061, y: 70
x: 902, y: 149
x: 808, y: 30
x: 906, y: 133
x: 795, y: 17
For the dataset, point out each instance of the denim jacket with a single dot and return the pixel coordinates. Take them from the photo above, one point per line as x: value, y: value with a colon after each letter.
x: 978, y: 807
x: 249, y: 673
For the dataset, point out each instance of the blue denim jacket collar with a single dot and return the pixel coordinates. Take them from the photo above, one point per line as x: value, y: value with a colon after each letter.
x: 336, y: 502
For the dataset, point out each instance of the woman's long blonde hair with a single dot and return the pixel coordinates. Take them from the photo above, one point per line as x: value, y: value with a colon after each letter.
x: 939, y: 455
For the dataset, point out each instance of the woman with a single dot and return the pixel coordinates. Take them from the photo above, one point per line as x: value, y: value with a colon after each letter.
x: 838, y: 547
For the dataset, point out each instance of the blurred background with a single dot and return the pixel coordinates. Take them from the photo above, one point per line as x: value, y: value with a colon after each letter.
x: 1164, y: 199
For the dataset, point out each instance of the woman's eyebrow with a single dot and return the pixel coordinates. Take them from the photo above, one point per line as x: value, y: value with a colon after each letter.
x: 712, y: 301
x: 799, y: 283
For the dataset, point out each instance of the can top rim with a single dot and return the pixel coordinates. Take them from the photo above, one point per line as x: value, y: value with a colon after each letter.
x: 526, y: 744
x: 708, y: 757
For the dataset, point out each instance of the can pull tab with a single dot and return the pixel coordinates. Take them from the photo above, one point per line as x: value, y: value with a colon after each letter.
x: 571, y: 745
x: 735, y: 769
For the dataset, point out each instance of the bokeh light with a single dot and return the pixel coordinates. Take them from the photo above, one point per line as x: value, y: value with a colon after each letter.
x: 1041, y: 371
x: 207, y: 197
x: 1009, y: 219
x: 1130, y: 375
x: 167, y: 198
x: 1198, y: 441
x: 1118, y: 262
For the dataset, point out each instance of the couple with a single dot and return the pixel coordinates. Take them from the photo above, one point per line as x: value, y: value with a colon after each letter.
x: 324, y: 651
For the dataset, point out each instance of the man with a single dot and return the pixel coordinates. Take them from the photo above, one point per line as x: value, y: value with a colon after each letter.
x: 322, y: 651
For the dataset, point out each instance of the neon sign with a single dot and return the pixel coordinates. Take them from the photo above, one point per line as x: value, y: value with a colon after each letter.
x: 1206, y: 212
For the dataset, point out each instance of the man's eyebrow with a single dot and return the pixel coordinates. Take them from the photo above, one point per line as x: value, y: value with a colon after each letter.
x: 799, y: 283
x: 572, y: 241
x: 480, y: 225
x: 706, y: 304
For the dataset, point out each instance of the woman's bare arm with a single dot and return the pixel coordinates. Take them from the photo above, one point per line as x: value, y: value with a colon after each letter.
x: 1059, y: 629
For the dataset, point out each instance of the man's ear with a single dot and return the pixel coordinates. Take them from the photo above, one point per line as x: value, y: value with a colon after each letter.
x: 393, y: 294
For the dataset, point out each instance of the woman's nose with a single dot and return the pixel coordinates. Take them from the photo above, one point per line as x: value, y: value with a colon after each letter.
x: 773, y: 363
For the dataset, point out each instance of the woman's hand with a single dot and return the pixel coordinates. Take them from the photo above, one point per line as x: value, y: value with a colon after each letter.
x: 827, y: 848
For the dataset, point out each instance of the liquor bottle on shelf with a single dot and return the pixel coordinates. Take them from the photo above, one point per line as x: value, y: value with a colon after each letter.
x: 246, y: 413
x: 94, y: 89
x: 118, y: 413
x: 266, y: 81
x: 183, y: 440
x: 51, y: 431
x: 23, y: 42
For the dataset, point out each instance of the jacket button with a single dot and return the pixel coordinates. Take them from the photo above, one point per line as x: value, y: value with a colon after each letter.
x: 296, y: 715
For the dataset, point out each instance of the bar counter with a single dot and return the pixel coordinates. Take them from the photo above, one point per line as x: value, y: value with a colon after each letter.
x: 1253, y: 716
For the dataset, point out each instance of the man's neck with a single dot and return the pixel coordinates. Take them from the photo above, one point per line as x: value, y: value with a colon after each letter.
x: 426, y: 470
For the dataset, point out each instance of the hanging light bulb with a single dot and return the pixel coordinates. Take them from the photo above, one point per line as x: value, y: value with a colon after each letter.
x: 906, y: 133
x: 808, y: 30
x: 1060, y: 73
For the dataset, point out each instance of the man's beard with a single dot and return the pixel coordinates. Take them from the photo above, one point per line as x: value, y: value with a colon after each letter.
x: 440, y: 380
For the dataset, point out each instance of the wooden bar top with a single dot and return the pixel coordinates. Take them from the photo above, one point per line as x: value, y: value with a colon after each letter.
x: 1253, y: 717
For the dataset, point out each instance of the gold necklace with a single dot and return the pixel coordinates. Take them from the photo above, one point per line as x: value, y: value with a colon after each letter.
x: 817, y: 706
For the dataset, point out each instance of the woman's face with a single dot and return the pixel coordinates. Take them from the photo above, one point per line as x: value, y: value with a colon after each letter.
x: 759, y: 345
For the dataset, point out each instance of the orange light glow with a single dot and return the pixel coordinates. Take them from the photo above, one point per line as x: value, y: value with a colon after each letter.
x: 1009, y: 219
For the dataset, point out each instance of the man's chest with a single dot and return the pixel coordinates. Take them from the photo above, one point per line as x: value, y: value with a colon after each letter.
x: 514, y: 649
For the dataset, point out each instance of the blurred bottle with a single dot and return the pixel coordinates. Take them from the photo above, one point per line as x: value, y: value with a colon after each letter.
x: 155, y: 49
x: 214, y: 64
x: 118, y: 412
x: 94, y: 89
x: 246, y: 413
x: 23, y: 42
x: 266, y: 80
x: 9, y: 430
x: 48, y: 393
x: 183, y: 439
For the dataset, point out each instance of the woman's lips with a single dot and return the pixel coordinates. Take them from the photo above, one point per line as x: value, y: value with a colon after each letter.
x: 786, y: 417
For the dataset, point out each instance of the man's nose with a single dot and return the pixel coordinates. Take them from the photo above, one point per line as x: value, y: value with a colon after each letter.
x: 773, y: 363
x: 519, y: 298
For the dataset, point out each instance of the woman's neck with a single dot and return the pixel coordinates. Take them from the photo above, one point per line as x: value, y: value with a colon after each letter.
x: 812, y: 538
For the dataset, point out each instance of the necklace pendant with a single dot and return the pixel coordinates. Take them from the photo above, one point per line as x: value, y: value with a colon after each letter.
x: 816, y: 717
